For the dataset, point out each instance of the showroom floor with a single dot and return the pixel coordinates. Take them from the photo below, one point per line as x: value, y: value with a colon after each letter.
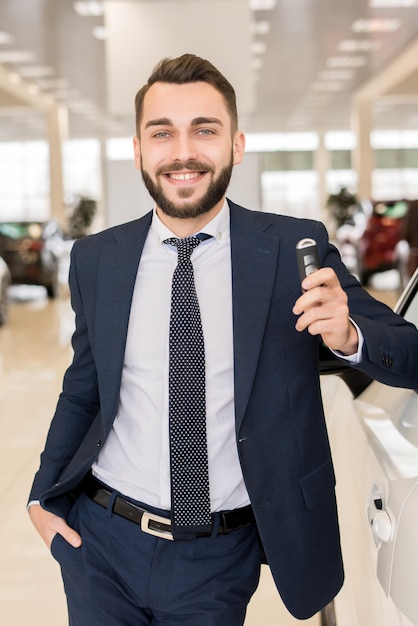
x: 34, y: 351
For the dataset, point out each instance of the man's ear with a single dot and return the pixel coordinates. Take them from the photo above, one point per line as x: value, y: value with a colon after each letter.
x: 238, y: 147
x: 137, y: 153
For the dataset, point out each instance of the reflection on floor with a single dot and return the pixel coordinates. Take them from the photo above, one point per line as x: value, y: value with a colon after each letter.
x: 34, y: 352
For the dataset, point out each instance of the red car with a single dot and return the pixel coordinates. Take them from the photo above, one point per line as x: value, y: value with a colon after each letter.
x: 378, y: 244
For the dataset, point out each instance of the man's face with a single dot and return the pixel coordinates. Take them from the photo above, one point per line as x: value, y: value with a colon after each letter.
x: 186, y: 151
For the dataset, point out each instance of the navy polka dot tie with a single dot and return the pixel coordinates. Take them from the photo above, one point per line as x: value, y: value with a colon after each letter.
x: 190, y: 498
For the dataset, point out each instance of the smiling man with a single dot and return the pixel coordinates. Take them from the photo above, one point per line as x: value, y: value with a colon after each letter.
x: 189, y: 439
x: 186, y: 161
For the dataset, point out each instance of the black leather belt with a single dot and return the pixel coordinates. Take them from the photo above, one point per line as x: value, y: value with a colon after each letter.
x: 156, y: 524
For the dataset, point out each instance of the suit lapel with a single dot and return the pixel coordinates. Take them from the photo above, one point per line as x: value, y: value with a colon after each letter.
x: 254, y: 261
x: 116, y: 280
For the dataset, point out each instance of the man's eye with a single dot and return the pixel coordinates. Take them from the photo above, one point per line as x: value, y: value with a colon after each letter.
x: 161, y: 134
x: 205, y: 131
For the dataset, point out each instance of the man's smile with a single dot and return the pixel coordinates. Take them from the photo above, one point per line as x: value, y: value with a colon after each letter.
x: 183, y: 176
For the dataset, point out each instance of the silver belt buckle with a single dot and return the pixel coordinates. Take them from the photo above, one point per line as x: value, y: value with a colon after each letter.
x: 150, y: 517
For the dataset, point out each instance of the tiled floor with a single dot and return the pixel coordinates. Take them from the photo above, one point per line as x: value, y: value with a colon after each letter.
x: 34, y: 351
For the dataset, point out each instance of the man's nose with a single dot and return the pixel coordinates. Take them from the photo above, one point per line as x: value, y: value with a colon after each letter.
x: 183, y: 148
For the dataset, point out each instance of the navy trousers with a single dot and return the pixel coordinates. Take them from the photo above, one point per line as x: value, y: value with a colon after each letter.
x: 121, y: 576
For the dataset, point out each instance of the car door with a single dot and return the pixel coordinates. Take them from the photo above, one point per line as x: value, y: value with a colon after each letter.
x: 374, y: 441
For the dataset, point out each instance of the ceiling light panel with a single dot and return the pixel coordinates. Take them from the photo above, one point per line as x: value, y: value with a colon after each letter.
x: 6, y: 38
x: 262, y: 5
x: 260, y: 28
x: 392, y: 4
x: 258, y: 47
x: 343, y: 74
x: 16, y: 56
x: 346, y: 61
x: 88, y: 8
x: 99, y: 32
x: 376, y: 25
x: 36, y: 71
x: 358, y: 45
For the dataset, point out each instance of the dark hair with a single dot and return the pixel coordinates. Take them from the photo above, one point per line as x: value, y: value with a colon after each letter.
x: 188, y: 68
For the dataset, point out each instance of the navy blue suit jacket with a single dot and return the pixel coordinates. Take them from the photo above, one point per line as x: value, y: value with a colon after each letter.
x: 280, y: 427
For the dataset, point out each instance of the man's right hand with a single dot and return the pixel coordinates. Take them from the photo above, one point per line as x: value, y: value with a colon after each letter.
x: 48, y: 525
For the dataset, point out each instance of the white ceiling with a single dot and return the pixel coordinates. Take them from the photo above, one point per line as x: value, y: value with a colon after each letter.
x: 309, y: 69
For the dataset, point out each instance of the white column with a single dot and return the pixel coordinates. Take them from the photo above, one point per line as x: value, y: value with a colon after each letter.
x: 362, y: 154
x: 321, y: 166
x: 57, y: 132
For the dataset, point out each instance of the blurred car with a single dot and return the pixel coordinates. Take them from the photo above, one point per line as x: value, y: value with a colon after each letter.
x: 5, y: 280
x: 32, y: 251
x: 373, y: 432
x: 378, y: 244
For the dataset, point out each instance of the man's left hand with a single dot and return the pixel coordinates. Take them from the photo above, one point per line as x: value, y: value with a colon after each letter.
x: 323, y: 310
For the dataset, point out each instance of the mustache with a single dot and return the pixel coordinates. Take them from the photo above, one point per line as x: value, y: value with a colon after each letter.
x: 177, y: 166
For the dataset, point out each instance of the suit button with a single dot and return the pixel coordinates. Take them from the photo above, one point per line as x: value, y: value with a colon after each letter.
x: 99, y: 443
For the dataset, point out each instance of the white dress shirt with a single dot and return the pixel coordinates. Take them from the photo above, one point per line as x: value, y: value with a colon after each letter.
x: 135, y: 457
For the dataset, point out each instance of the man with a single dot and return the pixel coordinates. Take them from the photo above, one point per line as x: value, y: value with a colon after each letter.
x: 102, y: 497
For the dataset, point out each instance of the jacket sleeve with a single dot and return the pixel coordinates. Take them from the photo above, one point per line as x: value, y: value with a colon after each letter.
x: 78, y: 403
x: 390, y: 349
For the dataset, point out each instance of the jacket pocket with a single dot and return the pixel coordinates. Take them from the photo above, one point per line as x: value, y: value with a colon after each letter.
x: 318, y: 485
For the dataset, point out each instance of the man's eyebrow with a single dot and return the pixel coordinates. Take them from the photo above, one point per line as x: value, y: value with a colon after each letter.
x: 162, y: 121
x: 197, y: 121
x: 206, y: 120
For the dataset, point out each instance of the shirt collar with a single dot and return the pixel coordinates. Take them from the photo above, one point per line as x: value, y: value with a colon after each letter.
x: 218, y: 227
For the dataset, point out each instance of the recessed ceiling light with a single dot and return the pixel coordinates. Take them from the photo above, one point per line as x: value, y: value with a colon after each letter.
x: 262, y: 5
x: 358, y: 45
x: 343, y: 74
x: 36, y: 71
x: 88, y: 8
x: 376, y: 25
x: 6, y: 38
x: 392, y: 4
x: 258, y: 47
x: 100, y: 32
x: 16, y: 56
x: 260, y: 28
x: 346, y: 61
x: 52, y: 83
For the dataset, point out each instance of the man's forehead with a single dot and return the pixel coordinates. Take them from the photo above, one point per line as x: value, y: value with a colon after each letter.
x: 170, y: 97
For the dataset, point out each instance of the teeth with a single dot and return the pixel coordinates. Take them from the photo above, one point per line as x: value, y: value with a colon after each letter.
x: 188, y: 176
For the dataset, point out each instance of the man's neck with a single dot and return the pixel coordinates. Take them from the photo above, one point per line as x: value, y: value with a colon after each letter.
x: 189, y: 226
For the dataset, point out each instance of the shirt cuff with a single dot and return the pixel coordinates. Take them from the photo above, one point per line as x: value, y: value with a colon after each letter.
x: 32, y: 502
x: 354, y: 359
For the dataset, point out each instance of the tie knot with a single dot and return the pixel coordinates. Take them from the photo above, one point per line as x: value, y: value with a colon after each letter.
x: 184, y: 246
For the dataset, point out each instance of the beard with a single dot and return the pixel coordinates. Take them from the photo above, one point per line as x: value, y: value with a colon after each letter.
x: 214, y: 194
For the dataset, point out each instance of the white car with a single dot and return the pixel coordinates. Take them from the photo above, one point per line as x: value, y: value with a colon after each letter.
x: 373, y: 432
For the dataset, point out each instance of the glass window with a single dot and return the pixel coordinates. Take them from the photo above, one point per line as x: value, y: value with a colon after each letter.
x: 24, y: 192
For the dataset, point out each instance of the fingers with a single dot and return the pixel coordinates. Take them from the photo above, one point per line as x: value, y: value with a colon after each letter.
x: 323, y: 310
x: 48, y: 525
x: 322, y: 288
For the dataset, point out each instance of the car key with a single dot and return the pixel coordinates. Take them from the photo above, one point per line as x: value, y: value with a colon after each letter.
x: 307, y: 256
